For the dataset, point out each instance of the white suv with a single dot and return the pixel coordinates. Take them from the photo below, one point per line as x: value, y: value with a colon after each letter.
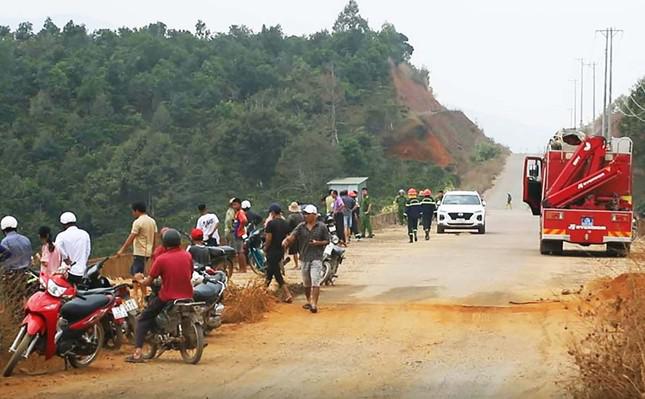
x: 461, y: 210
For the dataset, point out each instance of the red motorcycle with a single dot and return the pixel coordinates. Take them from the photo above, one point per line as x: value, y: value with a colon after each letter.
x: 61, y: 321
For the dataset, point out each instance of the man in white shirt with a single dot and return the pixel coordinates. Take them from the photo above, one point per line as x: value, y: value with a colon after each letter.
x: 209, y: 224
x: 74, y: 246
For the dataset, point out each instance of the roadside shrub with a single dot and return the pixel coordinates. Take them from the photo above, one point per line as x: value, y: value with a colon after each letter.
x: 484, y: 151
x: 609, y: 357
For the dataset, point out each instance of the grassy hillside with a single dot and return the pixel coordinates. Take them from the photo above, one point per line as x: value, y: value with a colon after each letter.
x: 91, y: 121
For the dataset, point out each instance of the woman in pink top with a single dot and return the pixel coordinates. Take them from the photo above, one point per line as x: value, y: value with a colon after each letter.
x: 50, y: 258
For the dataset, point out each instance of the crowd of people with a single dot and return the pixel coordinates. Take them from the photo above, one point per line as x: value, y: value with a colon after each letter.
x: 298, y: 234
x: 352, y: 218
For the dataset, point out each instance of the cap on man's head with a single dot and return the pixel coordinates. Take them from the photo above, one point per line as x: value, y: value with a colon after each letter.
x: 197, y: 235
x: 275, y: 208
x: 201, y: 207
x: 353, y: 194
x: 67, y: 218
x: 310, y: 210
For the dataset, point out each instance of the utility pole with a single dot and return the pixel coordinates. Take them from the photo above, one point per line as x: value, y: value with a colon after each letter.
x: 609, y: 34
x: 593, y: 78
x: 334, y: 129
x: 582, y: 85
x: 575, y: 102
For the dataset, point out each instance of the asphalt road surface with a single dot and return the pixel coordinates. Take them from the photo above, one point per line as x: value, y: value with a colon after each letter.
x: 459, y: 316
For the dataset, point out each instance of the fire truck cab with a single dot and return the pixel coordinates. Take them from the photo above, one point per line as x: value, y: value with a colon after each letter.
x: 582, y: 190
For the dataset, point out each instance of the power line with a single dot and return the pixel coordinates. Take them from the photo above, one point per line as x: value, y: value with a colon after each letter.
x: 631, y: 114
x: 636, y: 102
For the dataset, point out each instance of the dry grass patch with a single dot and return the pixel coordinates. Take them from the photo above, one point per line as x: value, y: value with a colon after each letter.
x: 610, y: 356
x: 247, y: 303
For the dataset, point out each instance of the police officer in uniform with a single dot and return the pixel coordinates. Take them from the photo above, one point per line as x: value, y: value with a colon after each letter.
x: 400, y: 202
x: 412, y: 213
x: 428, y: 206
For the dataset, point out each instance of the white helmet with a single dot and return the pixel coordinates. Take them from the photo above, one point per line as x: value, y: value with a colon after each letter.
x: 8, y: 222
x: 246, y: 204
x: 67, y: 218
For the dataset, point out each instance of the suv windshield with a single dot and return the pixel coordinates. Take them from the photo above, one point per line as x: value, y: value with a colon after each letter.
x: 463, y: 199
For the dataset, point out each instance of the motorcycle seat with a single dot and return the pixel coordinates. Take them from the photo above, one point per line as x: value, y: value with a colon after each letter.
x: 78, y: 308
x: 208, y: 292
x: 338, y: 250
x: 223, y: 251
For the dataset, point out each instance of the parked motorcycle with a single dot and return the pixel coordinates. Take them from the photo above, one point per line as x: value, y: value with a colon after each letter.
x: 222, y: 257
x: 120, y: 322
x: 333, y: 255
x: 208, y: 287
x: 177, y: 327
x: 60, y: 321
x: 253, y: 247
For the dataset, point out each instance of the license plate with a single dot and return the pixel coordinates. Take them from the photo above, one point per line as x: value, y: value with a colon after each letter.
x: 328, y: 250
x: 332, y: 229
x: 121, y: 312
x: 131, y: 305
x: 586, y: 221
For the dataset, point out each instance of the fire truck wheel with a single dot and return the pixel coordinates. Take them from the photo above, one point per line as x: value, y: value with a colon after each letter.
x: 618, y: 249
x: 551, y: 247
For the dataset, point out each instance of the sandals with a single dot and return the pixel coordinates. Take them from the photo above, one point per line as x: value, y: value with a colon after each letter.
x: 132, y: 359
x: 288, y: 300
x: 306, y: 306
x: 313, y: 309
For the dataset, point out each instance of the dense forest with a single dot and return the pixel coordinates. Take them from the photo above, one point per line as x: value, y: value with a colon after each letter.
x: 632, y: 124
x: 91, y: 121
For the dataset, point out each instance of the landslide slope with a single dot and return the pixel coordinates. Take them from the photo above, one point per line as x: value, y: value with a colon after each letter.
x: 448, y: 138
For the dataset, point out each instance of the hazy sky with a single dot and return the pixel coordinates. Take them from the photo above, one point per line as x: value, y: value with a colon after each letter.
x: 507, y: 63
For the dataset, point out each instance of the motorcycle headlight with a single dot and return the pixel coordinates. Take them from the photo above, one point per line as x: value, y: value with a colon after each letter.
x: 335, y: 240
x: 54, y: 289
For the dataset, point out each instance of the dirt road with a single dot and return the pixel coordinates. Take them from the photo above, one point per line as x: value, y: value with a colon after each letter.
x: 423, y: 320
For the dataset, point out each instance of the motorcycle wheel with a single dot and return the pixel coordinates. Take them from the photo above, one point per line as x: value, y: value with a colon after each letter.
x: 128, y: 328
x: 114, y: 339
x: 17, y: 355
x: 192, y: 354
x: 325, y: 272
x: 254, y: 265
x: 150, y: 347
x: 97, y: 336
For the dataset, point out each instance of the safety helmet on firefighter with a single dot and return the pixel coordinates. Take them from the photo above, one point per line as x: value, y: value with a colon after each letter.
x: 8, y: 222
x: 67, y: 218
x: 412, y: 192
x: 427, y: 192
x: 246, y: 204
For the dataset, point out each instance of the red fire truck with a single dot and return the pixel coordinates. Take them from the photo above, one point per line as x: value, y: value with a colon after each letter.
x: 582, y: 190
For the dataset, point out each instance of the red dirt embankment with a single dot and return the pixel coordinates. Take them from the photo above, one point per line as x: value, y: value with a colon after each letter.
x: 432, y: 132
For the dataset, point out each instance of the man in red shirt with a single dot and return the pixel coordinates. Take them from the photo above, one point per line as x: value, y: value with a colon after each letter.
x: 238, y: 234
x: 175, y: 267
